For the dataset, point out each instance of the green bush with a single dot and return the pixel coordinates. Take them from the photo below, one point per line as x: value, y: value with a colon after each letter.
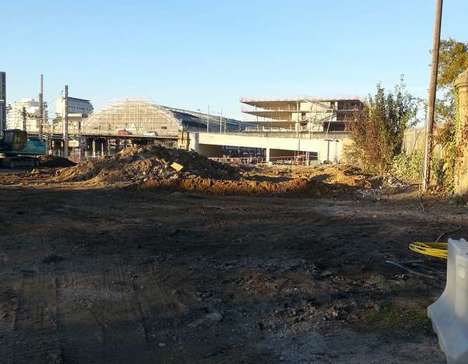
x: 377, y: 130
x: 408, y: 168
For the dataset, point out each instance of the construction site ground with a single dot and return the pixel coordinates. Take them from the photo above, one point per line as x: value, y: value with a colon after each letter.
x: 99, y: 274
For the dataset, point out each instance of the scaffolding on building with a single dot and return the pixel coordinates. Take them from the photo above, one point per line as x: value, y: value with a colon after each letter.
x: 301, y: 115
x: 132, y: 116
x: 141, y: 117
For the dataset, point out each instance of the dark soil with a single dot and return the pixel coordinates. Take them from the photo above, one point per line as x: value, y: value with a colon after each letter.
x: 105, y: 275
x: 50, y: 161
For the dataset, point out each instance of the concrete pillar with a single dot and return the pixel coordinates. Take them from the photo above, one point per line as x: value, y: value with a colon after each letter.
x: 337, y: 157
x: 268, y: 155
x: 461, y: 165
x: 102, y: 147
x: 94, y: 148
x: 82, y: 148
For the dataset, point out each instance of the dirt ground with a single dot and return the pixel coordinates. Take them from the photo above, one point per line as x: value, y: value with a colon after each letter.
x: 110, y: 275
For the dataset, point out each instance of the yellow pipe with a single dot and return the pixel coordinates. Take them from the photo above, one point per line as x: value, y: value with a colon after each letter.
x: 437, y: 250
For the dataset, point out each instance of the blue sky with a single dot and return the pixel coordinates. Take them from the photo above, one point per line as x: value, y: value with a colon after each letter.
x: 192, y: 54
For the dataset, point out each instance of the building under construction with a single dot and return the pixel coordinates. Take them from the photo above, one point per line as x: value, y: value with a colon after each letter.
x: 301, y: 115
x: 25, y: 114
x: 139, y: 117
x: 132, y: 122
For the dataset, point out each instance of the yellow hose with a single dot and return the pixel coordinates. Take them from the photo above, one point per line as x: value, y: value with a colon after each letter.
x: 438, y: 250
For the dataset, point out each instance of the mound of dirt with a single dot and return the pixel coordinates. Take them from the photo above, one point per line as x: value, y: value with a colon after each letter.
x: 346, y: 176
x: 153, y: 163
x: 326, y: 181
x: 157, y: 167
x: 50, y: 161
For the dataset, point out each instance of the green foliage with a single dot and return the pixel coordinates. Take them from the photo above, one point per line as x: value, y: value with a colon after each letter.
x: 392, y: 317
x: 408, y: 168
x: 378, y: 129
x: 453, y: 60
x: 445, y: 170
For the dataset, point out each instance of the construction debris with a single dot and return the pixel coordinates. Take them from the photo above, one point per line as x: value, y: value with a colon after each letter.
x: 159, y: 167
x: 139, y: 165
x: 177, y: 167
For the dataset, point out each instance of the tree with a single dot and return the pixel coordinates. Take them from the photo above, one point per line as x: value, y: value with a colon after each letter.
x: 378, y: 129
x: 453, y: 60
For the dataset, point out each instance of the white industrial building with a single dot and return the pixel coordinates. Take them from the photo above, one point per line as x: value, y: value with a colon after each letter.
x: 75, y: 106
x: 25, y: 111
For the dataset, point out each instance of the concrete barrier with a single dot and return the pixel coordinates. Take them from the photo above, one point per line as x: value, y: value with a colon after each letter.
x: 449, y: 314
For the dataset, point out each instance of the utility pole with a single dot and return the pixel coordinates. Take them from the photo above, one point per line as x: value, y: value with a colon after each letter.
x: 41, y: 107
x: 208, y: 120
x: 220, y: 124
x: 3, y: 102
x: 432, y: 95
x: 24, y: 116
x: 65, y: 123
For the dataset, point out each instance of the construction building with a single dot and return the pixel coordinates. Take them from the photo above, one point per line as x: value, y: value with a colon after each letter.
x: 306, y: 129
x: 3, y: 104
x: 300, y: 115
x: 75, y: 106
x: 133, y: 122
x: 140, y: 117
x: 25, y: 114
x: 78, y: 110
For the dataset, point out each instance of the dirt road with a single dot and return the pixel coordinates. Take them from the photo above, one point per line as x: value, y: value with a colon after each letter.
x: 94, y: 275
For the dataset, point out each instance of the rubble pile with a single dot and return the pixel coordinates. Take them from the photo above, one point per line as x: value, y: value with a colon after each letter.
x: 143, y: 164
x: 157, y: 167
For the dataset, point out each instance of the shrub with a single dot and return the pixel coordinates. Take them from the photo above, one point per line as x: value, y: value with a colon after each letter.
x: 377, y: 130
x: 408, y: 168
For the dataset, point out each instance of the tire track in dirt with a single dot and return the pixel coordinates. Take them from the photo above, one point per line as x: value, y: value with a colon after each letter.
x: 106, y: 314
x: 33, y: 336
x: 83, y: 297
x: 8, y: 309
x: 141, y: 313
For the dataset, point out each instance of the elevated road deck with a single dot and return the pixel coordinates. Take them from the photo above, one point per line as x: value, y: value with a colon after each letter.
x: 323, y: 146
